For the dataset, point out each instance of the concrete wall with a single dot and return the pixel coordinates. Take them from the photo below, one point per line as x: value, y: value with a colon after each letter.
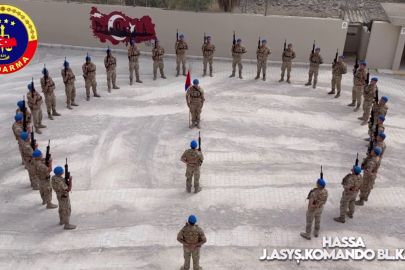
x: 69, y: 23
x: 352, y: 42
x: 399, y: 53
x: 364, y: 39
x: 382, y: 45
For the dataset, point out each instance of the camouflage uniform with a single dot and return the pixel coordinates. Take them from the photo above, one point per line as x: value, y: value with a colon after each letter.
x: 319, y: 198
x: 237, y: 59
x: 36, y: 110
x: 379, y: 109
x: 371, y: 131
x: 262, y: 55
x: 359, y: 79
x: 70, y: 88
x: 60, y: 188
x: 89, y: 75
x: 383, y: 146
x: 196, y: 157
x: 17, y: 130
x: 287, y: 57
x: 133, y: 57
x: 369, y: 166
x: 29, y: 162
x: 338, y: 70
x: 42, y: 174
x: 195, y: 95
x: 181, y: 47
x: 49, y: 96
x: 157, y: 56
x: 208, y: 53
x: 110, y: 63
x: 314, y: 61
x: 351, y: 184
x: 192, y: 234
x: 369, y: 92
x: 27, y: 116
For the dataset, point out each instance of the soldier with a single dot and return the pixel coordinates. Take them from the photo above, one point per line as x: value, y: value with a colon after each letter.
x: 381, y: 108
x: 195, y: 101
x: 158, y: 53
x: 314, y: 61
x: 369, y: 167
x: 28, y: 159
x: 192, y: 237
x: 133, y: 57
x: 42, y: 173
x: 20, y: 111
x: 351, y: 184
x: 317, y: 198
x: 359, y: 80
x: 193, y: 158
x: 287, y: 56
x: 17, y: 130
x: 181, y: 47
x: 69, y: 80
x: 48, y: 87
x: 35, y: 102
x: 381, y: 128
x: 110, y: 63
x: 262, y: 55
x: 237, y: 52
x: 89, y: 75
x: 369, y: 93
x: 208, y: 52
x: 338, y: 69
x: 381, y: 144
x: 62, y: 193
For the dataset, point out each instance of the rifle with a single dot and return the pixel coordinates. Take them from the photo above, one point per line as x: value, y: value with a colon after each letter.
x: 368, y: 76
x: 67, y: 174
x: 370, y: 146
x: 199, y: 141
x: 313, y: 48
x: 33, y: 141
x: 258, y: 47
x: 33, y: 88
x: 177, y: 39
x: 48, y: 155
x: 154, y: 51
x: 45, y: 76
x: 336, y: 56
x: 24, y: 111
x: 356, y: 66
x: 205, y: 39
x: 108, y: 57
x: 233, y: 42
x: 87, y: 57
x: 357, y: 160
x: 321, y: 173
x: 285, y: 45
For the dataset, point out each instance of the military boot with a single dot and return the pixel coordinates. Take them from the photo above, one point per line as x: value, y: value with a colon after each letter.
x: 162, y: 75
x: 204, y: 74
x: 198, y: 125
x: 282, y: 79
x: 88, y: 98
x: 357, y: 108
x: 61, y: 222
x: 50, y: 115
x: 35, y: 187
x: 264, y: 77
x: 339, y: 219
x: 96, y: 95
x: 184, y: 73
x: 138, y: 80
x: 308, y: 83
x: 130, y: 81
x: 178, y: 74
x: 314, y: 86
x: 360, y: 202
x: 51, y: 205
x: 337, y: 95
x: 306, y: 235
x: 154, y: 77
x: 115, y: 87
x: 55, y: 113
x: 188, y: 189
x: 288, y: 80
x: 41, y: 126
x: 232, y: 75
x: 364, y: 123
x: 197, y: 189
x: 331, y: 92
x: 37, y: 130
x: 349, y: 215
x: 360, y: 118
x: 352, y: 104
x: 211, y: 73
x: 240, y: 76
x: 109, y: 89
x: 316, y: 233
x: 74, y: 104
x: 367, y: 139
x: 257, y: 76
x: 69, y: 226
x: 43, y: 202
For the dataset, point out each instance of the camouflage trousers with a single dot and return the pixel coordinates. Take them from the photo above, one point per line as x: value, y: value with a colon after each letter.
x: 36, y: 116
x: 31, y: 172
x: 70, y: 91
x: 313, y: 71
x: 158, y: 64
x: 314, y: 213
x: 237, y: 61
x: 45, y: 189
x: 336, y: 83
x: 111, y: 76
x: 261, y: 66
x: 357, y: 93
x: 134, y: 66
x: 284, y: 66
x: 206, y: 60
x: 50, y: 101
x: 90, y: 82
x: 189, y: 174
x: 195, y: 110
x: 64, y: 209
x: 368, y: 182
x: 181, y: 58
x: 188, y: 253
x: 348, y: 200
x: 367, y: 109
x: 20, y: 148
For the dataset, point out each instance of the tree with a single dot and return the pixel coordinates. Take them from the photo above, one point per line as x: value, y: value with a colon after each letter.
x: 227, y: 5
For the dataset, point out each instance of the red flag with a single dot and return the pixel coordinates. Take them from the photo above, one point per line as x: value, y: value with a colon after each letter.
x: 7, y: 42
x: 188, y: 80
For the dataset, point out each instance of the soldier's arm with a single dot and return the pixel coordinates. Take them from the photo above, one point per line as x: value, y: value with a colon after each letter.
x: 180, y: 237
x: 293, y: 55
x: 320, y: 60
x: 186, y: 46
x: 184, y: 158
x: 163, y: 50
x: 202, y: 238
x: 344, y: 69
x: 129, y: 52
x: 213, y: 47
x: 244, y: 50
x: 201, y: 157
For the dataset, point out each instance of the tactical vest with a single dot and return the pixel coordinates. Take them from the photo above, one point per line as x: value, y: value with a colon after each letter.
x: 208, y: 50
x: 49, y: 82
x: 358, y: 181
x: 288, y: 55
x: 195, y: 94
x: 181, y: 47
x: 191, y: 234
x: 193, y: 156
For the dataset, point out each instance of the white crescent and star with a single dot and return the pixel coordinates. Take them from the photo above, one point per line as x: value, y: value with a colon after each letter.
x: 111, y: 23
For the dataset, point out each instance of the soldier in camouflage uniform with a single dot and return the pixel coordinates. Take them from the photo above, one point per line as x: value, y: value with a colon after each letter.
x: 369, y: 167
x: 208, y: 50
x: 28, y: 159
x: 195, y: 101
x: 237, y: 52
x: 42, y: 172
x: 193, y: 158
x: 338, y: 69
x: 381, y: 108
x: 192, y: 237
x: 62, y: 193
x: 351, y: 184
x: 35, y: 103
x: 158, y: 53
x: 69, y: 80
x: 20, y: 111
x: 372, y: 128
x: 48, y: 87
x: 17, y: 130
x: 89, y: 75
x: 181, y: 47
x: 317, y: 198
x: 110, y: 63
x: 262, y: 55
x: 133, y: 57
x: 359, y: 80
x: 368, y: 93
x: 314, y: 61
x: 287, y: 56
x: 381, y: 144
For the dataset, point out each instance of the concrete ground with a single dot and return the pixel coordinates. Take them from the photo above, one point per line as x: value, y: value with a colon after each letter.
x: 263, y: 142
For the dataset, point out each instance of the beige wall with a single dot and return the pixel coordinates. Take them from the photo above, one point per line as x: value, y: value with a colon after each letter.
x: 352, y: 42
x: 69, y: 23
x: 399, y: 53
x: 364, y: 39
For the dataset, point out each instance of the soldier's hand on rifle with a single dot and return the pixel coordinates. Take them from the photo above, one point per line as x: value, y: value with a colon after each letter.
x: 70, y: 178
x: 257, y: 51
x: 36, y: 146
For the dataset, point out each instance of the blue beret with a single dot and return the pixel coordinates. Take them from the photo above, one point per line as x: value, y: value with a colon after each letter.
x: 208, y: 37
x: 318, y: 49
x: 192, y: 219
x: 37, y: 153
x: 321, y: 182
x: 384, y: 98
x: 381, y: 117
x: 58, y: 170
x: 289, y: 44
x: 342, y: 56
x: 382, y: 135
x: 133, y: 41
x: 196, y: 81
x: 363, y: 63
x: 66, y: 64
x: 157, y: 41
x: 20, y: 103
x: 264, y: 40
x: 18, y: 117
x: 108, y: 50
x: 193, y: 144
x: 24, y: 135
x: 239, y: 40
x: 88, y: 58
x: 357, y: 169
x: 181, y: 35
x: 374, y: 79
x: 377, y: 150
x: 44, y: 70
x: 30, y: 86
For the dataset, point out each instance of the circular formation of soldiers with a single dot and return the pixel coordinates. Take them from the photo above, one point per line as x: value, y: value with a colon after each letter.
x: 191, y: 235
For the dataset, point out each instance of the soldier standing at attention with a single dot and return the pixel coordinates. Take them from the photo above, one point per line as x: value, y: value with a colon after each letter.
x: 181, y: 47
x: 28, y: 159
x: 369, y: 166
x: 193, y: 158
x: 62, y: 193
x: 195, y: 101
x: 42, y: 173
x: 158, y: 53
x: 262, y: 55
x: 381, y: 128
x: 208, y: 52
x: 17, y: 130
x: 48, y: 87
x: 359, y: 80
x: 287, y: 56
x: 237, y: 52
x: 133, y: 57
x: 338, y: 69
x: 35, y: 103
x: 381, y: 108
x: 69, y: 81
x: 369, y: 93
x: 351, y: 184
x: 20, y: 111
x: 317, y: 198
x: 110, y: 63
x: 192, y: 237
x: 314, y: 61
x: 381, y: 144
x: 89, y: 75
